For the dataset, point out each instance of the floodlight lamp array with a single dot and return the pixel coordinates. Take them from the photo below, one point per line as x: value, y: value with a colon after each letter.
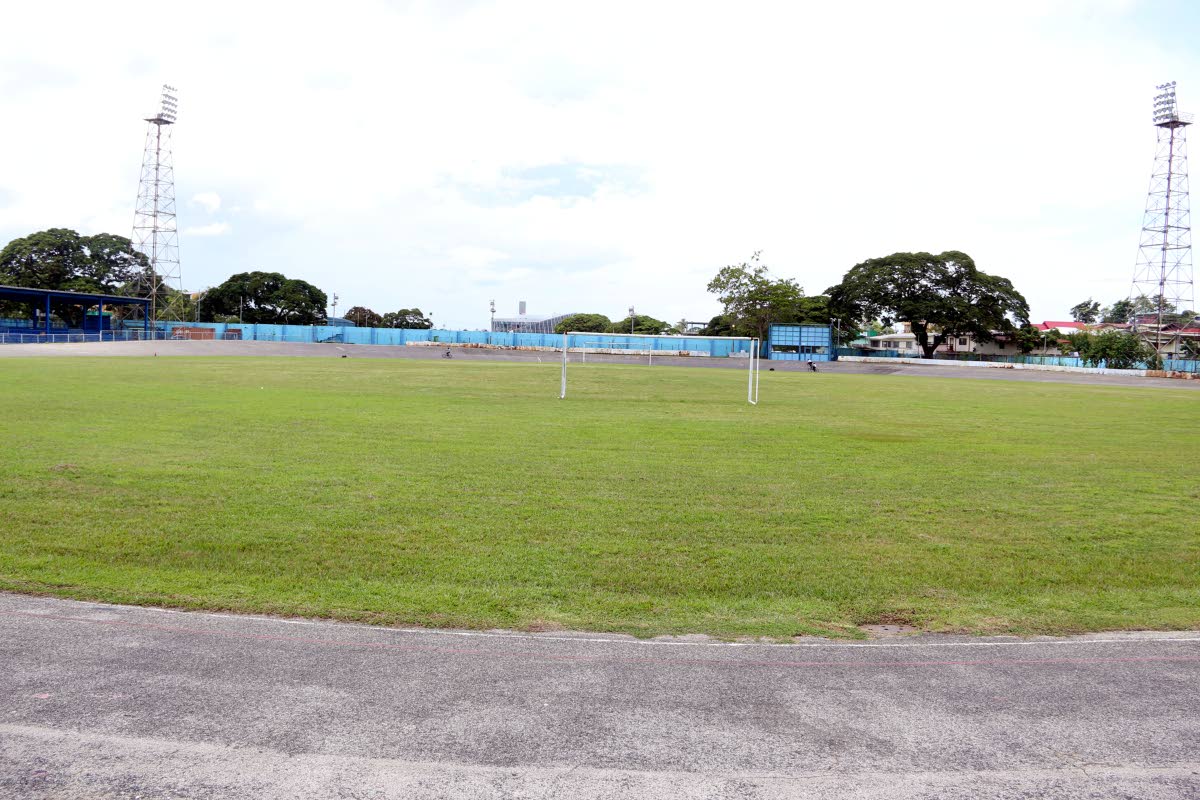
x: 170, y: 103
x: 1164, y: 103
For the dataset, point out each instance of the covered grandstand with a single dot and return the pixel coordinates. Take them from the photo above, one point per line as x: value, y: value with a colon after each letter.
x: 95, y: 321
x: 528, y: 323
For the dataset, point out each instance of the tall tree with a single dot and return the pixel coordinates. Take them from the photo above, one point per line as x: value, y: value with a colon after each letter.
x: 939, y: 296
x: 1118, y: 312
x: 411, y: 318
x: 753, y: 299
x: 591, y: 323
x: 1127, y: 308
x: 1086, y: 312
x: 364, y: 317
x: 265, y: 297
x: 44, y: 260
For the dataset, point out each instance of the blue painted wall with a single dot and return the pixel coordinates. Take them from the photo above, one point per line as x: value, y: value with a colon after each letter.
x: 402, y: 336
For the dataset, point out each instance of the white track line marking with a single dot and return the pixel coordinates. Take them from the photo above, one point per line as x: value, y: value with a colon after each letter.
x: 1156, y: 637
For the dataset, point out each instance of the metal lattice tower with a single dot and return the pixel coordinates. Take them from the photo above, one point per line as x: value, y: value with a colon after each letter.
x: 154, y: 231
x: 1164, y: 264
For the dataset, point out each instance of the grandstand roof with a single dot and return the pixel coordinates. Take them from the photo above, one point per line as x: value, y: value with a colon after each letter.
x: 77, y: 297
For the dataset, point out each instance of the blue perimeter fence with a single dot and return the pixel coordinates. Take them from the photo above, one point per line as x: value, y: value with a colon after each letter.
x: 404, y: 336
x: 328, y: 334
x: 387, y: 336
x: 1170, y: 364
x: 19, y: 332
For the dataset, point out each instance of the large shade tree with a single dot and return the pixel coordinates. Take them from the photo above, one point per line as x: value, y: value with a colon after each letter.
x: 265, y: 297
x: 364, y: 317
x: 588, y: 323
x: 939, y: 296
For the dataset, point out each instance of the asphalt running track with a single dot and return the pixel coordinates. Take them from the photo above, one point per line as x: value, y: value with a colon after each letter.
x: 461, y: 354
x: 117, y: 702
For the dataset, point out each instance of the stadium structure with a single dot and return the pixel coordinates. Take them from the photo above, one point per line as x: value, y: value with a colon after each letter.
x: 527, y: 323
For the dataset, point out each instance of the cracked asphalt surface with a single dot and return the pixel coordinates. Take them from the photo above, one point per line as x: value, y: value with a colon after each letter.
x: 106, y: 701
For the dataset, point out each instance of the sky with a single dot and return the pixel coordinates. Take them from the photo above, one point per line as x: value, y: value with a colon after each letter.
x: 589, y: 157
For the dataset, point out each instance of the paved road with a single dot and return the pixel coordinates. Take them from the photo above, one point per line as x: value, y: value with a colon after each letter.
x: 114, y: 702
x: 239, y: 348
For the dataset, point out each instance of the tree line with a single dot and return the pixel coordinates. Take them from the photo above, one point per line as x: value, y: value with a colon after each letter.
x: 939, y: 296
x: 1122, y: 311
x: 636, y: 323
x: 62, y: 259
x: 411, y: 318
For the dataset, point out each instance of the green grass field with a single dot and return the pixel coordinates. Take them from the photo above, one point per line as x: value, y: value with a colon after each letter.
x: 653, y: 500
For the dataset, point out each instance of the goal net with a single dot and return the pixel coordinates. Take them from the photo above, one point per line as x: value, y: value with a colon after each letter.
x: 582, y: 348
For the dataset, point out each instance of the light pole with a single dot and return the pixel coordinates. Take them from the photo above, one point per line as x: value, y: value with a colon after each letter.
x: 492, y: 325
x: 199, y: 300
x: 631, y: 319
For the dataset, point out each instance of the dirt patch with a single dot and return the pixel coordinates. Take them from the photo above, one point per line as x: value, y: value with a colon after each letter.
x: 890, y: 623
x: 889, y: 630
x: 543, y: 626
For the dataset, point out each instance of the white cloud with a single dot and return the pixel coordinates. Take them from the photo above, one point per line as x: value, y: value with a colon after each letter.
x: 389, y: 160
x: 493, y: 276
x: 212, y: 229
x: 471, y: 256
x: 209, y: 201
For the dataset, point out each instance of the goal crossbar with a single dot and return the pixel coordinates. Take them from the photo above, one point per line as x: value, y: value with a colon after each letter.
x: 627, y: 344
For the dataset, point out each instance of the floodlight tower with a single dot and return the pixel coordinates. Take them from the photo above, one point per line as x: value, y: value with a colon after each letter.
x: 154, y: 231
x: 1164, y: 262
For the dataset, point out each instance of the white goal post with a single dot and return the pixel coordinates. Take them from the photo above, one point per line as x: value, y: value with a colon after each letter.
x: 623, y: 346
